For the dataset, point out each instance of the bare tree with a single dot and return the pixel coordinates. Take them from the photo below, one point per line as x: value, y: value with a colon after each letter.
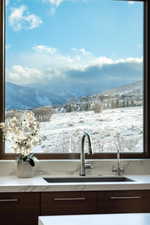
x: 43, y: 114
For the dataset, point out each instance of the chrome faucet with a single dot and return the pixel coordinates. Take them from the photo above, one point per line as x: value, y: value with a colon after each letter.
x: 85, y: 165
x: 118, y: 170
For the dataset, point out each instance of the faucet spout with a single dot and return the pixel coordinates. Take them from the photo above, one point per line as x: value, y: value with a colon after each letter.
x: 82, y: 155
x: 119, y: 170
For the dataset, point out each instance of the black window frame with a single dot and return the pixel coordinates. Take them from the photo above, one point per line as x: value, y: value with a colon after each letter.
x: 145, y: 154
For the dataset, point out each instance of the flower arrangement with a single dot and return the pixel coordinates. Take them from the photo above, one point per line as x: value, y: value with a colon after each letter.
x: 23, y: 134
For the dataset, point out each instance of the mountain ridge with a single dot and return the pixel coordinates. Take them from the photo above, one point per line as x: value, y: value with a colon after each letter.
x: 20, y: 97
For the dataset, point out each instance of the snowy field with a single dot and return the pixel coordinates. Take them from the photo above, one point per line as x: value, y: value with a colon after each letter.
x: 62, y: 134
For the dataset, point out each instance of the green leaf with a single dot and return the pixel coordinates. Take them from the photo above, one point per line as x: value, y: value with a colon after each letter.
x: 31, y: 162
x: 25, y: 158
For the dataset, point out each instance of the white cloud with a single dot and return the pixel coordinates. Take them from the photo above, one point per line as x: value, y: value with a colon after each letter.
x: 130, y: 60
x: 131, y: 2
x: 46, y: 63
x: 44, y: 49
x: 33, y: 21
x: 20, y: 19
x: 23, y: 75
x: 43, y: 55
x: 81, y: 51
x: 55, y: 2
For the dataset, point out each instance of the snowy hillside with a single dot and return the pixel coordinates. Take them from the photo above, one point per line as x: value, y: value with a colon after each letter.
x: 64, y: 131
x: 20, y: 97
x: 130, y: 89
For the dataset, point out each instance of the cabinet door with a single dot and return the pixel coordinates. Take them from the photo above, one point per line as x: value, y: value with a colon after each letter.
x: 68, y: 203
x: 19, y: 208
x: 123, y: 202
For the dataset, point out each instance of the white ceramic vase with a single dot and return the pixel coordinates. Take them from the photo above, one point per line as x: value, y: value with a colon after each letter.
x: 24, y: 169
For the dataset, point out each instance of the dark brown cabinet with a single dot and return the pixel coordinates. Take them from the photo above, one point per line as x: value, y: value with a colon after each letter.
x: 95, y: 202
x: 68, y: 203
x: 24, y: 208
x: 19, y: 208
x: 123, y: 202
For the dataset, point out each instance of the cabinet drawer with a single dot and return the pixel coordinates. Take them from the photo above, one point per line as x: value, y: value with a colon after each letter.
x: 19, y: 208
x: 68, y: 203
x: 123, y: 202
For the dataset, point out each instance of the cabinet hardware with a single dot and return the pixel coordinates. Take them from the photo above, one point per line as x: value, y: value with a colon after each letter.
x: 70, y: 199
x: 125, y: 197
x: 9, y: 200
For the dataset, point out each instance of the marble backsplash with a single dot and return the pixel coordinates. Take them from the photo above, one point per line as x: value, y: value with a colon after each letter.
x: 72, y: 167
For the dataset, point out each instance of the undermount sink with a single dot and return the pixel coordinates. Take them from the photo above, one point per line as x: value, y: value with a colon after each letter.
x: 87, y: 179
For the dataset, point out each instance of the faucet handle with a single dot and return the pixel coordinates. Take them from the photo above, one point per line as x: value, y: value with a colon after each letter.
x: 88, y: 165
x: 118, y: 170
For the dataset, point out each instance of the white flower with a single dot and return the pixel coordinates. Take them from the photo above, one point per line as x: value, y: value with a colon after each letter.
x: 23, y: 133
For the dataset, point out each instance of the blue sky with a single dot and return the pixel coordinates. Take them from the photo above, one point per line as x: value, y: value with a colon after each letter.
x: 47, y: 38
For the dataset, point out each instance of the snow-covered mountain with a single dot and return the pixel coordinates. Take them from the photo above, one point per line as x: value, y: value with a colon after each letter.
x: 20, y: 97
x: 134, y: 89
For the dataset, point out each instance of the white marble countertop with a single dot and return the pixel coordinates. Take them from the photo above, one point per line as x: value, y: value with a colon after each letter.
x: 38, y: 184
x: 101, y: 219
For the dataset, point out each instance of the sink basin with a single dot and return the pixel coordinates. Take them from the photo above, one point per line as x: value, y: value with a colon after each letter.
x: 87, y: 179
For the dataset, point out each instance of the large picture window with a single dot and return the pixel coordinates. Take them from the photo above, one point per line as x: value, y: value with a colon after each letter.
x: 79, y: 66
